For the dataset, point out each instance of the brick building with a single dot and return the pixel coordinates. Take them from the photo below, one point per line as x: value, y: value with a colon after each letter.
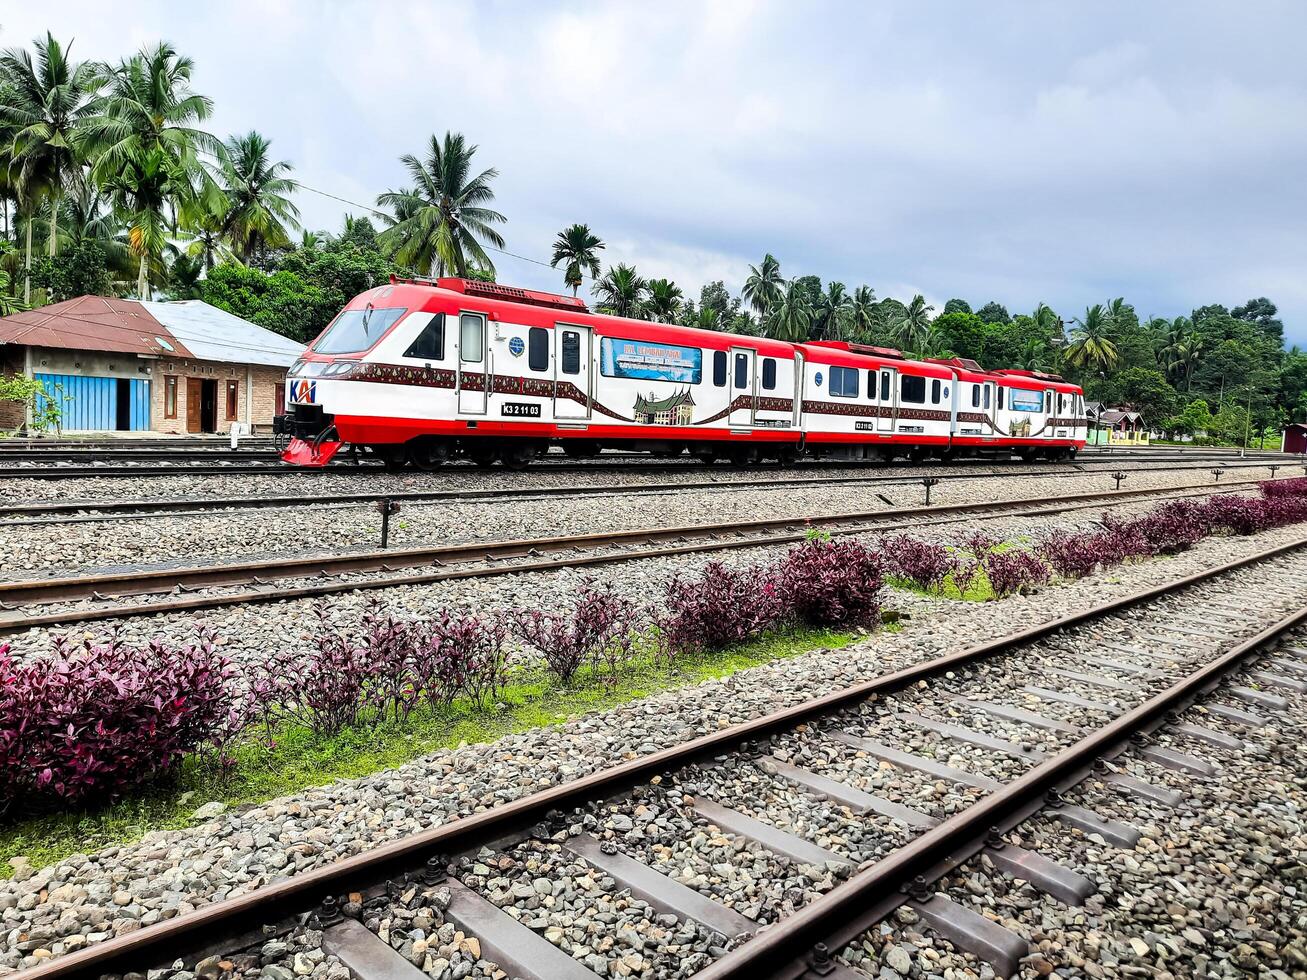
x: 125, y: 365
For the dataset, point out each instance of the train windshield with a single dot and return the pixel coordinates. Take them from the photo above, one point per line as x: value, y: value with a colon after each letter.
x: 357, y: 330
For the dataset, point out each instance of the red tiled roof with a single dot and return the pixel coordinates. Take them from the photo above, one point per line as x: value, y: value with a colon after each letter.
x: 92, y: 323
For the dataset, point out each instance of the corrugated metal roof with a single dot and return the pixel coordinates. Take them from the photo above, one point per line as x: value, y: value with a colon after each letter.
x: 216, y: 335
x: 97, y: 323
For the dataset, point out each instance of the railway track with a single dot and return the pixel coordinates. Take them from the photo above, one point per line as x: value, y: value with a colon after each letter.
x: 188, y: 588
x: 868, y: 754
x: 78, y: 511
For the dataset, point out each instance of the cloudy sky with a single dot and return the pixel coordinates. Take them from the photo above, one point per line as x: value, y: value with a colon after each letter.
x: 1014, y: 150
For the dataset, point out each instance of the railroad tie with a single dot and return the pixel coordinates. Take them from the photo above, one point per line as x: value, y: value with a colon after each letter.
x: 1019, y: 714
x: 906, y: 760
x: 1000, y: 947
x: 1044, y: 694
x: 367, y: 957
x: 850, y: 796
x: 782, y: 843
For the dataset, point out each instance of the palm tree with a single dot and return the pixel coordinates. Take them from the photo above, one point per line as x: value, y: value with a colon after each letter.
x: 1090, y: 346
x: 146, y: 150
x: 664, y: 300
x: 863, y: 312
x: 762, y: 287
x: 1045, y: 319
x: 311, y: 240
x: 576, y: 245
x: 932, y: 344
x: 621, y: 291
x: 911, y: 327
x: 257, y: 189
x: 831, y: 316
x: 1035, y: 356
x: 440, y: 223
x: 45, y: 110
x: 87, y: 219
x: 209, y: 242
x: 791, y: 315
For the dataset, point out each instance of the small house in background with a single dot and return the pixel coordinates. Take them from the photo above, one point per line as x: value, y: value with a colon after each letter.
x: 1122, y: 426
x: 1294, y: 439
x: 130, y: 366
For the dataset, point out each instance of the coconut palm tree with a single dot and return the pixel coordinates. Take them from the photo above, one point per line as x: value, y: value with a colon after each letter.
x: 1090, y: 346
x: 791, y: 315
x: 621, y: 291
x: 311, y: 240
x: 664, y: 300
x: 831, y: 317
x: 259, y: 209
x: 912, y: 325
x: 862, y: 313
x: 441, y: 222
x: 146, y: 151
x: 577, y: 245
x: 762, y: 287
x: 1036, y: 356
x: 45, y: 109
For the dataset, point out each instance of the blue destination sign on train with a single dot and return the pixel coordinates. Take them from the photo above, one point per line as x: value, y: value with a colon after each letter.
x: 1026, y: 401
x: 649, y: 361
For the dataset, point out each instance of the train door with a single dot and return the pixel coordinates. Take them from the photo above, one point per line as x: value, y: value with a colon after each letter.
x: 887, y: 400
x: 797, y: 418
x: 744, y: 363
x: 989, y: 408
x: 572, y: 367
x: 1050, y: 412
x: 473, y: 371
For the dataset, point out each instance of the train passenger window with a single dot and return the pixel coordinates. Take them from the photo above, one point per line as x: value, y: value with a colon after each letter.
x: 429, y: 345
x: 884, y: 386
x: 537, y: 349
x: 975, y: 396
x: 742, y: 372
x: 934, y: 392
x: 471, y: 338
x: 1000, y: 396
x: 844, y: 382
x: 986, y: 389
x: 1061, y: 404
x: 719, y: 368
x: 769, y: 373
x: 1048, y: 402
x: 571, y: 356
x: 913, y: 389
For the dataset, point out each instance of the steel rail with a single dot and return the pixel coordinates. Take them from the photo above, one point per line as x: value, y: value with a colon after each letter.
x: 784, y: 951
x: 303, y: 892
x: 780, y: 531
x: 144, y: 507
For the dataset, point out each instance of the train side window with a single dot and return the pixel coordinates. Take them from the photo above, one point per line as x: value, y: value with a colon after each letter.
x: 986, y: 388
x: 537, y: 349
x: 769, y: 373
x: 1048, y: 402
x: 571, y: 355
x: 884, y: 386
x: 844, y: 382
x: 742, y: 372
x: 934, y: 392
x: 429, y: 345
x: 471, y: 338
x: 913, y: 389
x: 1001, y: 389
x: 975, y: 396
x: 719, y: 368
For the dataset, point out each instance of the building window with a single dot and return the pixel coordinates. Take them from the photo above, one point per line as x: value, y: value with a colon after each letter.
x: 571, y: 352
x: 719, y: 368
x: 769, y: 373
x: 913, y: 389
x: 844, y: 382
x: 429, y: 345
x: 233, y: 400
x: 934, y: 392
x: 170, y: 396
x: 537, y: 349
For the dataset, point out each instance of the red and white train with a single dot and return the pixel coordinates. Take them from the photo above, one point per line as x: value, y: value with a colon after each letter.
x: 417, y: 372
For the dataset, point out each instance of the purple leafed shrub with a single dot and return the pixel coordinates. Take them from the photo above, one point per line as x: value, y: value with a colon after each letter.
x: 458, y: 654
x: 719, y: 608
x: 1077, y: 555
x: 1296, y: 487
x: 1172, y: 527
x: 978, y: 544
x: 91, y: 722
x: 1014, y: 571
x: 923, y: 564
x: 825, y: 583
x: 599, y: 631
x: 1238, y: 515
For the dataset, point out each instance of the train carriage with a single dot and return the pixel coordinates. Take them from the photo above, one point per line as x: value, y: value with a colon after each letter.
x: 418, y: 371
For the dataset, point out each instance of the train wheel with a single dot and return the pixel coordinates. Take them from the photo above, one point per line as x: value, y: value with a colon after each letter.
x: 393, y: 458
x: 482, y: 452
x: 428, y: 454
x: 706, y: 456
x: 742, y: 455
x: 518, y: 455
x: 787, y: 457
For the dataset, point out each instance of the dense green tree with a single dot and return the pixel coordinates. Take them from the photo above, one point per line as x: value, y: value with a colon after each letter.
x: 147, y: 151
x: 716, y: 297
x: 762, y: 286
x: 438, y: 226
x: 259, y: 212
x: 993, y: 313
x: 1263, y: 313
x: 280, y: 301
x: 621, y: 291
x: 957, y: 306
x: 77, y: 271
x: 578, y: 247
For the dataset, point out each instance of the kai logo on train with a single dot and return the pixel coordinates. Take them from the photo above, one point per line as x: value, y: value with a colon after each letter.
x: 304, y: 391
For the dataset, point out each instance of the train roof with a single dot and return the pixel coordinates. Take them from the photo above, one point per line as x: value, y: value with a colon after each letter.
x: 842, y: 353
